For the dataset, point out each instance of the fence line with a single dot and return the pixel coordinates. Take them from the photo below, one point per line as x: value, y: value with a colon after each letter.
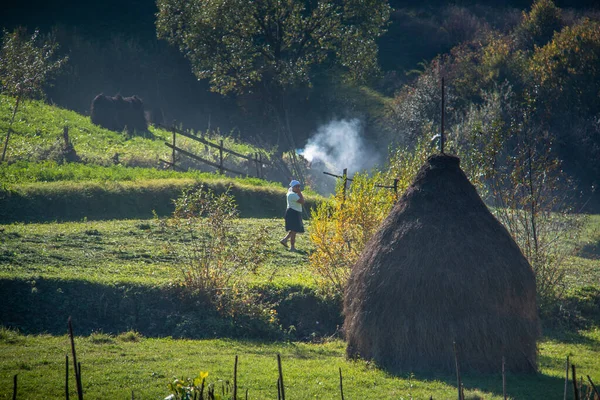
x: 344, y: 176
x: 257, y: 159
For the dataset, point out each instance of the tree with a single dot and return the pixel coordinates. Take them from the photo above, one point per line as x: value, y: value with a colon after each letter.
x: 26, y: 64
x: 273, y: 46
x: 239, y: 43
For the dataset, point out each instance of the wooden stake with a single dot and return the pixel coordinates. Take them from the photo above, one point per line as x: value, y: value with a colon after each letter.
x: 66, y: 376
x: 221, y: 156
x: 278, y: 389
x: 173, y: 152
x: 77, y: 370
x: 246, y: 394
x: 341, y: 384
x: 574, y: 377
x: 235, y: 378
x: 458, y: 380
x: 566, y: 378
x: 593, y: 386
x: 15, y: 387
x: 345, y: 177
x: 281, y: 377
x: 504, y: 377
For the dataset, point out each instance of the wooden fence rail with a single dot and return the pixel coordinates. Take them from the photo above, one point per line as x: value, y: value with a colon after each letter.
x: 257, y: 159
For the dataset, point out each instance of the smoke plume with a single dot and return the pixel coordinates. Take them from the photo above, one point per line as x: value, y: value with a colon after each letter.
x: 335, y: 146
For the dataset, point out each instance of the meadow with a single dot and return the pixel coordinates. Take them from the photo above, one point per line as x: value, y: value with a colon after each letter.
x: 95, y: 258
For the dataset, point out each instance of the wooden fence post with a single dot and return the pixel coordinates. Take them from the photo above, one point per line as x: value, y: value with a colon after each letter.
x: 66, y: 376
x: 221, y: 156
x: 280, y: 377
x: 345, y: 177
x: 173, y: 152
x: 256, y: 162
x: 235, y: 366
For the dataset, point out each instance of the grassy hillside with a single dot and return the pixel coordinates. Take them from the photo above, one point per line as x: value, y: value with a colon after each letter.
x: 38, y: 131
x: 118, y: 175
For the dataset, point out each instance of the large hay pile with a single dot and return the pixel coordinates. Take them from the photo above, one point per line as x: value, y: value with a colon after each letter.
x: 442, y: 269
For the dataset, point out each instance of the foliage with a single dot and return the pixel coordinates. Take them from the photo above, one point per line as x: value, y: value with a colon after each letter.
x: 539, y: 25
x: 25, y: 66
x: 237, y: 44
x: 215, y: 260
x: 26, y: 63
x: 192, y: 389
x: 567, y: 69
x: 513, y: 166
x: 342, y: 226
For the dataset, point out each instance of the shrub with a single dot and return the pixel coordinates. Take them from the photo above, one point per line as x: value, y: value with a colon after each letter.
x: 342, y: 226
x: 214, y: 260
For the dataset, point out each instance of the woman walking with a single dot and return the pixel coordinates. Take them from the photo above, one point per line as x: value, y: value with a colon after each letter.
x: 293, y: 215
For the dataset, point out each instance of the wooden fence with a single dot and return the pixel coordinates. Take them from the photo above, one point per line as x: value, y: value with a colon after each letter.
x: 257, y: 158
x: 345, y: 178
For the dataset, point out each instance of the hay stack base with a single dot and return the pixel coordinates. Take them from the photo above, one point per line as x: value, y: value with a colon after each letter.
x: 442, y: 269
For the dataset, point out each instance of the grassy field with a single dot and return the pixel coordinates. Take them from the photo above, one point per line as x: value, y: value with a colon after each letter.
x: 118, y: 253
x: 114, y: 366
x: 132, y: 251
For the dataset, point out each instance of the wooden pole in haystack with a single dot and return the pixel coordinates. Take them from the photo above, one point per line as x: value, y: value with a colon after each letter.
x: 281, y: 377
x: 75, y: 364
x: 566, y: 378
x: 341, y: 384
x: 235, y: 378
x: 575, y: 390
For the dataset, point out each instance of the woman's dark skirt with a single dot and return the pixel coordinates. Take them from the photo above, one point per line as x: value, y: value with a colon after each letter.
x: 293, y: 221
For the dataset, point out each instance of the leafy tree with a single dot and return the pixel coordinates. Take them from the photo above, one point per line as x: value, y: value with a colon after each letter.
x: 239, y: 43
x: 538, y: 26
x: 568, y: 68
x: 271, y: 47
x: 26, y: 64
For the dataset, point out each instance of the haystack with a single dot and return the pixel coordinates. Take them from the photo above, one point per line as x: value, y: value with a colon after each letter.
x: 442, y: 270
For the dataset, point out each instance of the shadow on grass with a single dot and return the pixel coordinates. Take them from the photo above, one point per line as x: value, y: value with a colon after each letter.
x: 44, y: 305
x: 518, y: 386
x: 590, y: 251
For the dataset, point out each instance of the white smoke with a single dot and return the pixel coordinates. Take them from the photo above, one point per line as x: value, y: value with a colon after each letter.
x: 335, y: 146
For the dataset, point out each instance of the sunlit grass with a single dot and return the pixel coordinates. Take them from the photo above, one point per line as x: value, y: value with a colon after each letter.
x: 136, y: 251
x: 114, y: 366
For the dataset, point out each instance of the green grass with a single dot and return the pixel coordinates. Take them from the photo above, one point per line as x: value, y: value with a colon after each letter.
x: 50, y: 171
x: 114, y: 366
x: 133, y: 251
x: 38, y: 128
